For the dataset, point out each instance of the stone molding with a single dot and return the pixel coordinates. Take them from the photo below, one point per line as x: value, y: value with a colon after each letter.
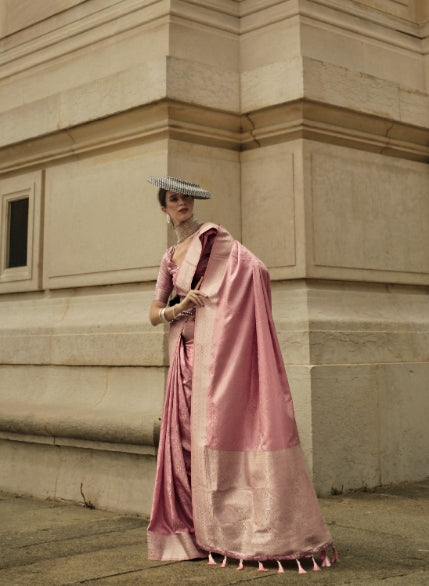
x: 376, y: 324
x: 303, y: 118
x: 104, y: 404
x: 88, y: 327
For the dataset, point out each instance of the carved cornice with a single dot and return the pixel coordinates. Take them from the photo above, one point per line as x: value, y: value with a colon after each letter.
x: 324, y: 123
x: 169, y: 119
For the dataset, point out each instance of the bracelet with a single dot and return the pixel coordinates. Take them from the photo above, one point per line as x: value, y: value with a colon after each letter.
x: 161, y: 315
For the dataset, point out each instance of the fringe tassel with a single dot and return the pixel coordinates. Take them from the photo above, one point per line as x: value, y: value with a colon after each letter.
x: 261, y: 567
x: 315, y: 566
x: 240, y: 565
x: 211, y: 561
x: 281, y: 570
x: 335, y: 558
x: 325, y: 559
x: 223, y: 564
x: 300, y: 568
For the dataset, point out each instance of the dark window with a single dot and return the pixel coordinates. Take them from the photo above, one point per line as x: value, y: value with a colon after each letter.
x: 17, y: 233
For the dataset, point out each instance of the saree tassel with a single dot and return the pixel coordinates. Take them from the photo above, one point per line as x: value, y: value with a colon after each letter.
x: 240, y: 565
x: 300, y: 568
x: 261, y: 567
x: 223, y: 564
x: 315, y: 566
x: 211, y: 561
x: 335, y: 557
x: 281, y: 570
x: 326, y: 563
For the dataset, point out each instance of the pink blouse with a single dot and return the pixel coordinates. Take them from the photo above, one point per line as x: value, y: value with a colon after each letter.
x: 168, y: 269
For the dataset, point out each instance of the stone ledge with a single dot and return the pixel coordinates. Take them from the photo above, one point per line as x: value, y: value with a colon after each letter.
x: 111, y: 405
x: 81, y: 330
x: 84, y: 444
x: 347, y: 324
x: 308, y: 119
x: 115, y: 480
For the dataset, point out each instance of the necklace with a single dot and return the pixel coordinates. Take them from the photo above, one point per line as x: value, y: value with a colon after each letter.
x: 186, y: 229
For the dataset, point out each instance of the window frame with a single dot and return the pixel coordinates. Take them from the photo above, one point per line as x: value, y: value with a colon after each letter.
x: 26, y: 277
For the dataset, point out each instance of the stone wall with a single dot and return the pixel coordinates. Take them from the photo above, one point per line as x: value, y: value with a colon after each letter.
x: 309, y: 122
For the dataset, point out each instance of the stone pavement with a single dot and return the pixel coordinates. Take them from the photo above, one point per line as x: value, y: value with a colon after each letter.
x: 382, y: 537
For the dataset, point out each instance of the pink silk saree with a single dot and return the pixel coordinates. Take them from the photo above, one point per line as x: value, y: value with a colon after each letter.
x: 246, y: 492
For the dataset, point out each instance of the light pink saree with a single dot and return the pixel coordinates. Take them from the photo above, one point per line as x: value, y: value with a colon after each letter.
x: 248, y: 495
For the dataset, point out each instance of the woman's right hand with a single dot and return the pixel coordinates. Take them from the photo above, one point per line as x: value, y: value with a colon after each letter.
x: 194, y: 298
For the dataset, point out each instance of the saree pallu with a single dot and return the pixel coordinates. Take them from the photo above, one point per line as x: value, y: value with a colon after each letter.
x: 248, y: 495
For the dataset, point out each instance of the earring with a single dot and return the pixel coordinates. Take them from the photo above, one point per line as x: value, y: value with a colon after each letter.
x: 168, y: 219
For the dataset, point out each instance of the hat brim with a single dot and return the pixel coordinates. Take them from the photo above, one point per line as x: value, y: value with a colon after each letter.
x: 180, y: 186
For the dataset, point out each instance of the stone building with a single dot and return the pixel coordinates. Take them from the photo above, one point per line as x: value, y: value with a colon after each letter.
x: 309, y: 122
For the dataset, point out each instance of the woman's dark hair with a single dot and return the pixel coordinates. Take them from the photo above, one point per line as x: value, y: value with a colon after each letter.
x: 162, y: 197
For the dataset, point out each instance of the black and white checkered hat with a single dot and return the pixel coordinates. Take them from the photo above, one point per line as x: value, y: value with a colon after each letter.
x: 180, y: 186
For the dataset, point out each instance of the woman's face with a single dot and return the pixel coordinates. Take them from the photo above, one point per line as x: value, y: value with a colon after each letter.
x: 179, y: 207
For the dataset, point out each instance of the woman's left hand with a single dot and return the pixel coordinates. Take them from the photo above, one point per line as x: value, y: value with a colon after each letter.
x: 194, y: 298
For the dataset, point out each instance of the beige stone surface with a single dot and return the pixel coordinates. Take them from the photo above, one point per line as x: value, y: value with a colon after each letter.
x: 110, y: 225
x: 403, y: 408
x: 272, y: 84
x: 401, y: 8
x: 352, y: 46
x: 110, y: 479
x: 356, y: 358
x: 19, y: 14
x: 110, y: 404
x: 368, y: 215
x: 359, y: 91
x: 107, y: 326
x: 268, y: 204
x: 368, y: 424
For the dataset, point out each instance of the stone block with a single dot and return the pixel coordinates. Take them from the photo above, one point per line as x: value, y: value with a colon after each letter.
x: 358, y: 323
x: 368, y: 215
x: 92, y: 328
x: 196, y: 83
x: 107, y: 404
x: 403, y: 409
x: 117, y: 481
x: 353, y: 45
x: 102, y: 223
x: 272, y: 84
x: 268, y: 205
x: 369, y: 425
x: 345, y: 427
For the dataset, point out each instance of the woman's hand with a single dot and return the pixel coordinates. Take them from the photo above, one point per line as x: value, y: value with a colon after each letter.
x: 194, y: 298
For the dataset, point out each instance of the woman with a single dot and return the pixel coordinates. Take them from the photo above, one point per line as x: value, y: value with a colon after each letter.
x: 231, y: 478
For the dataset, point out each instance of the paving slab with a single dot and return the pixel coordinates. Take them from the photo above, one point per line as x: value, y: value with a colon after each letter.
x: 382, y: 537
